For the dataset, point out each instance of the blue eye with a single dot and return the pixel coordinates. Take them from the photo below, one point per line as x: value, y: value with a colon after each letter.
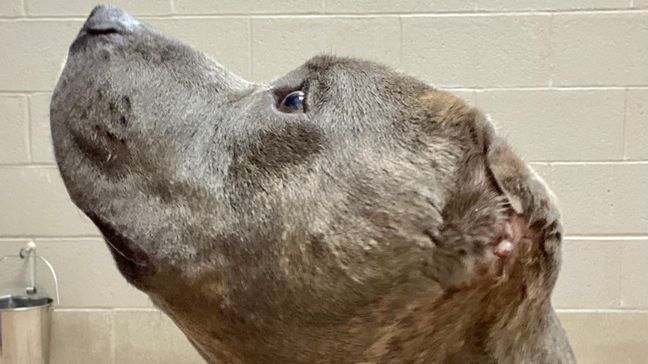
x: 293, y: 102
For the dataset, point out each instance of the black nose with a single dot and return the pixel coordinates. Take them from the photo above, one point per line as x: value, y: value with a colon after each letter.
x: 109, y: 19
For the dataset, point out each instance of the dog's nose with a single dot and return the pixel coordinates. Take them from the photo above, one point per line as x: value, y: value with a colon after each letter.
x: 109, y: 19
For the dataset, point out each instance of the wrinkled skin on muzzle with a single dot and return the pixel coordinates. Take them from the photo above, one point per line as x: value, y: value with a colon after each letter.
x: 371, y: 219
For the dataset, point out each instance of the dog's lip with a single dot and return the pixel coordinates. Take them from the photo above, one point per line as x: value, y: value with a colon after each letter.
x: 131, y: 258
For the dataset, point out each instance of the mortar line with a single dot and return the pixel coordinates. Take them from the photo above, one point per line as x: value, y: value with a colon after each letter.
x: 36, y: 238
x: 46, y: 165
x: 113, y: 309
x: 600, y: 310
x: 82, y: 309
x: 606, y: 237
x: 113, y: 339
x: 552, y: 52
x: 625, y: 116
x: 23, y: 93
x: 315, y: 14
x: 153, y: 309
x: 141, y: 309
x: 620, y: 266
x: 27, y: 165
x: 13, y: 94
x: 589, y: 163
x: 444, y: 87
x: 72, y: 238
x: 477, y: 95
x: 545, y: 88
x: 30, y: 152
x: 250, y: 48
x: 400, y: 42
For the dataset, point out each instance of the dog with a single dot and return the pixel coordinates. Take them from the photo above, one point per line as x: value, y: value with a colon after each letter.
x: 344, y: 213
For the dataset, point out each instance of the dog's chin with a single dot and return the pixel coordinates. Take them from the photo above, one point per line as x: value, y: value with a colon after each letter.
x: 133, y: 262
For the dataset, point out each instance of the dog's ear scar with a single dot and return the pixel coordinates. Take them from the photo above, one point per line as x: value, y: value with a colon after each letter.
x: 504, y: 248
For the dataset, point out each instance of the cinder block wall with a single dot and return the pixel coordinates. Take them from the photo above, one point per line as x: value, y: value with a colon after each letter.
x: 566, y: 80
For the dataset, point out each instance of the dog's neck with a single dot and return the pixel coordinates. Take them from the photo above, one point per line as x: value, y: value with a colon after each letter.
x: 508, y: 323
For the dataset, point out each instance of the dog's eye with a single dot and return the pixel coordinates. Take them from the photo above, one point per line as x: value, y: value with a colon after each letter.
x: 293, y: 102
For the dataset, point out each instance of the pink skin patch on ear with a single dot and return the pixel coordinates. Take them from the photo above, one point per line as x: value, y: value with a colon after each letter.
x: 513, y: 241
x: 504, y: 248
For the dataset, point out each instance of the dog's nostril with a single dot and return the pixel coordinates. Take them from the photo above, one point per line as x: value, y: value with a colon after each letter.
x: 99, y: 31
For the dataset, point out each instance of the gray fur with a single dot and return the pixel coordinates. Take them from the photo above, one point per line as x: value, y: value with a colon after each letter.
x: 360, y: 231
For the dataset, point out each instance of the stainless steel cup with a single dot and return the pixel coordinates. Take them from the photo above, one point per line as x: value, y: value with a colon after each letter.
x: 25, y: 329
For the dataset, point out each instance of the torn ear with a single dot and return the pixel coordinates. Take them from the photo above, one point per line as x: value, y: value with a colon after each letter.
x: 526, y: 192
x: 509, y: 173
x: 531, y: 199
x: 496, y: 216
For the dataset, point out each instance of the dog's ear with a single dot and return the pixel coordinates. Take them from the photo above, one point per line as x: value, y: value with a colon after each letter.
x: 526, y: 192
x: 476, y: 134
x: 498, y: 213
x: 504, y: 167
x: 530, y: 198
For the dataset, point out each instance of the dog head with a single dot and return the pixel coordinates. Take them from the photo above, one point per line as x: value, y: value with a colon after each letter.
x: 295, y: 204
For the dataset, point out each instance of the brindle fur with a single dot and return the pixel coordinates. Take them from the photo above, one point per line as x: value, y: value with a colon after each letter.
x: 359, y: 232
